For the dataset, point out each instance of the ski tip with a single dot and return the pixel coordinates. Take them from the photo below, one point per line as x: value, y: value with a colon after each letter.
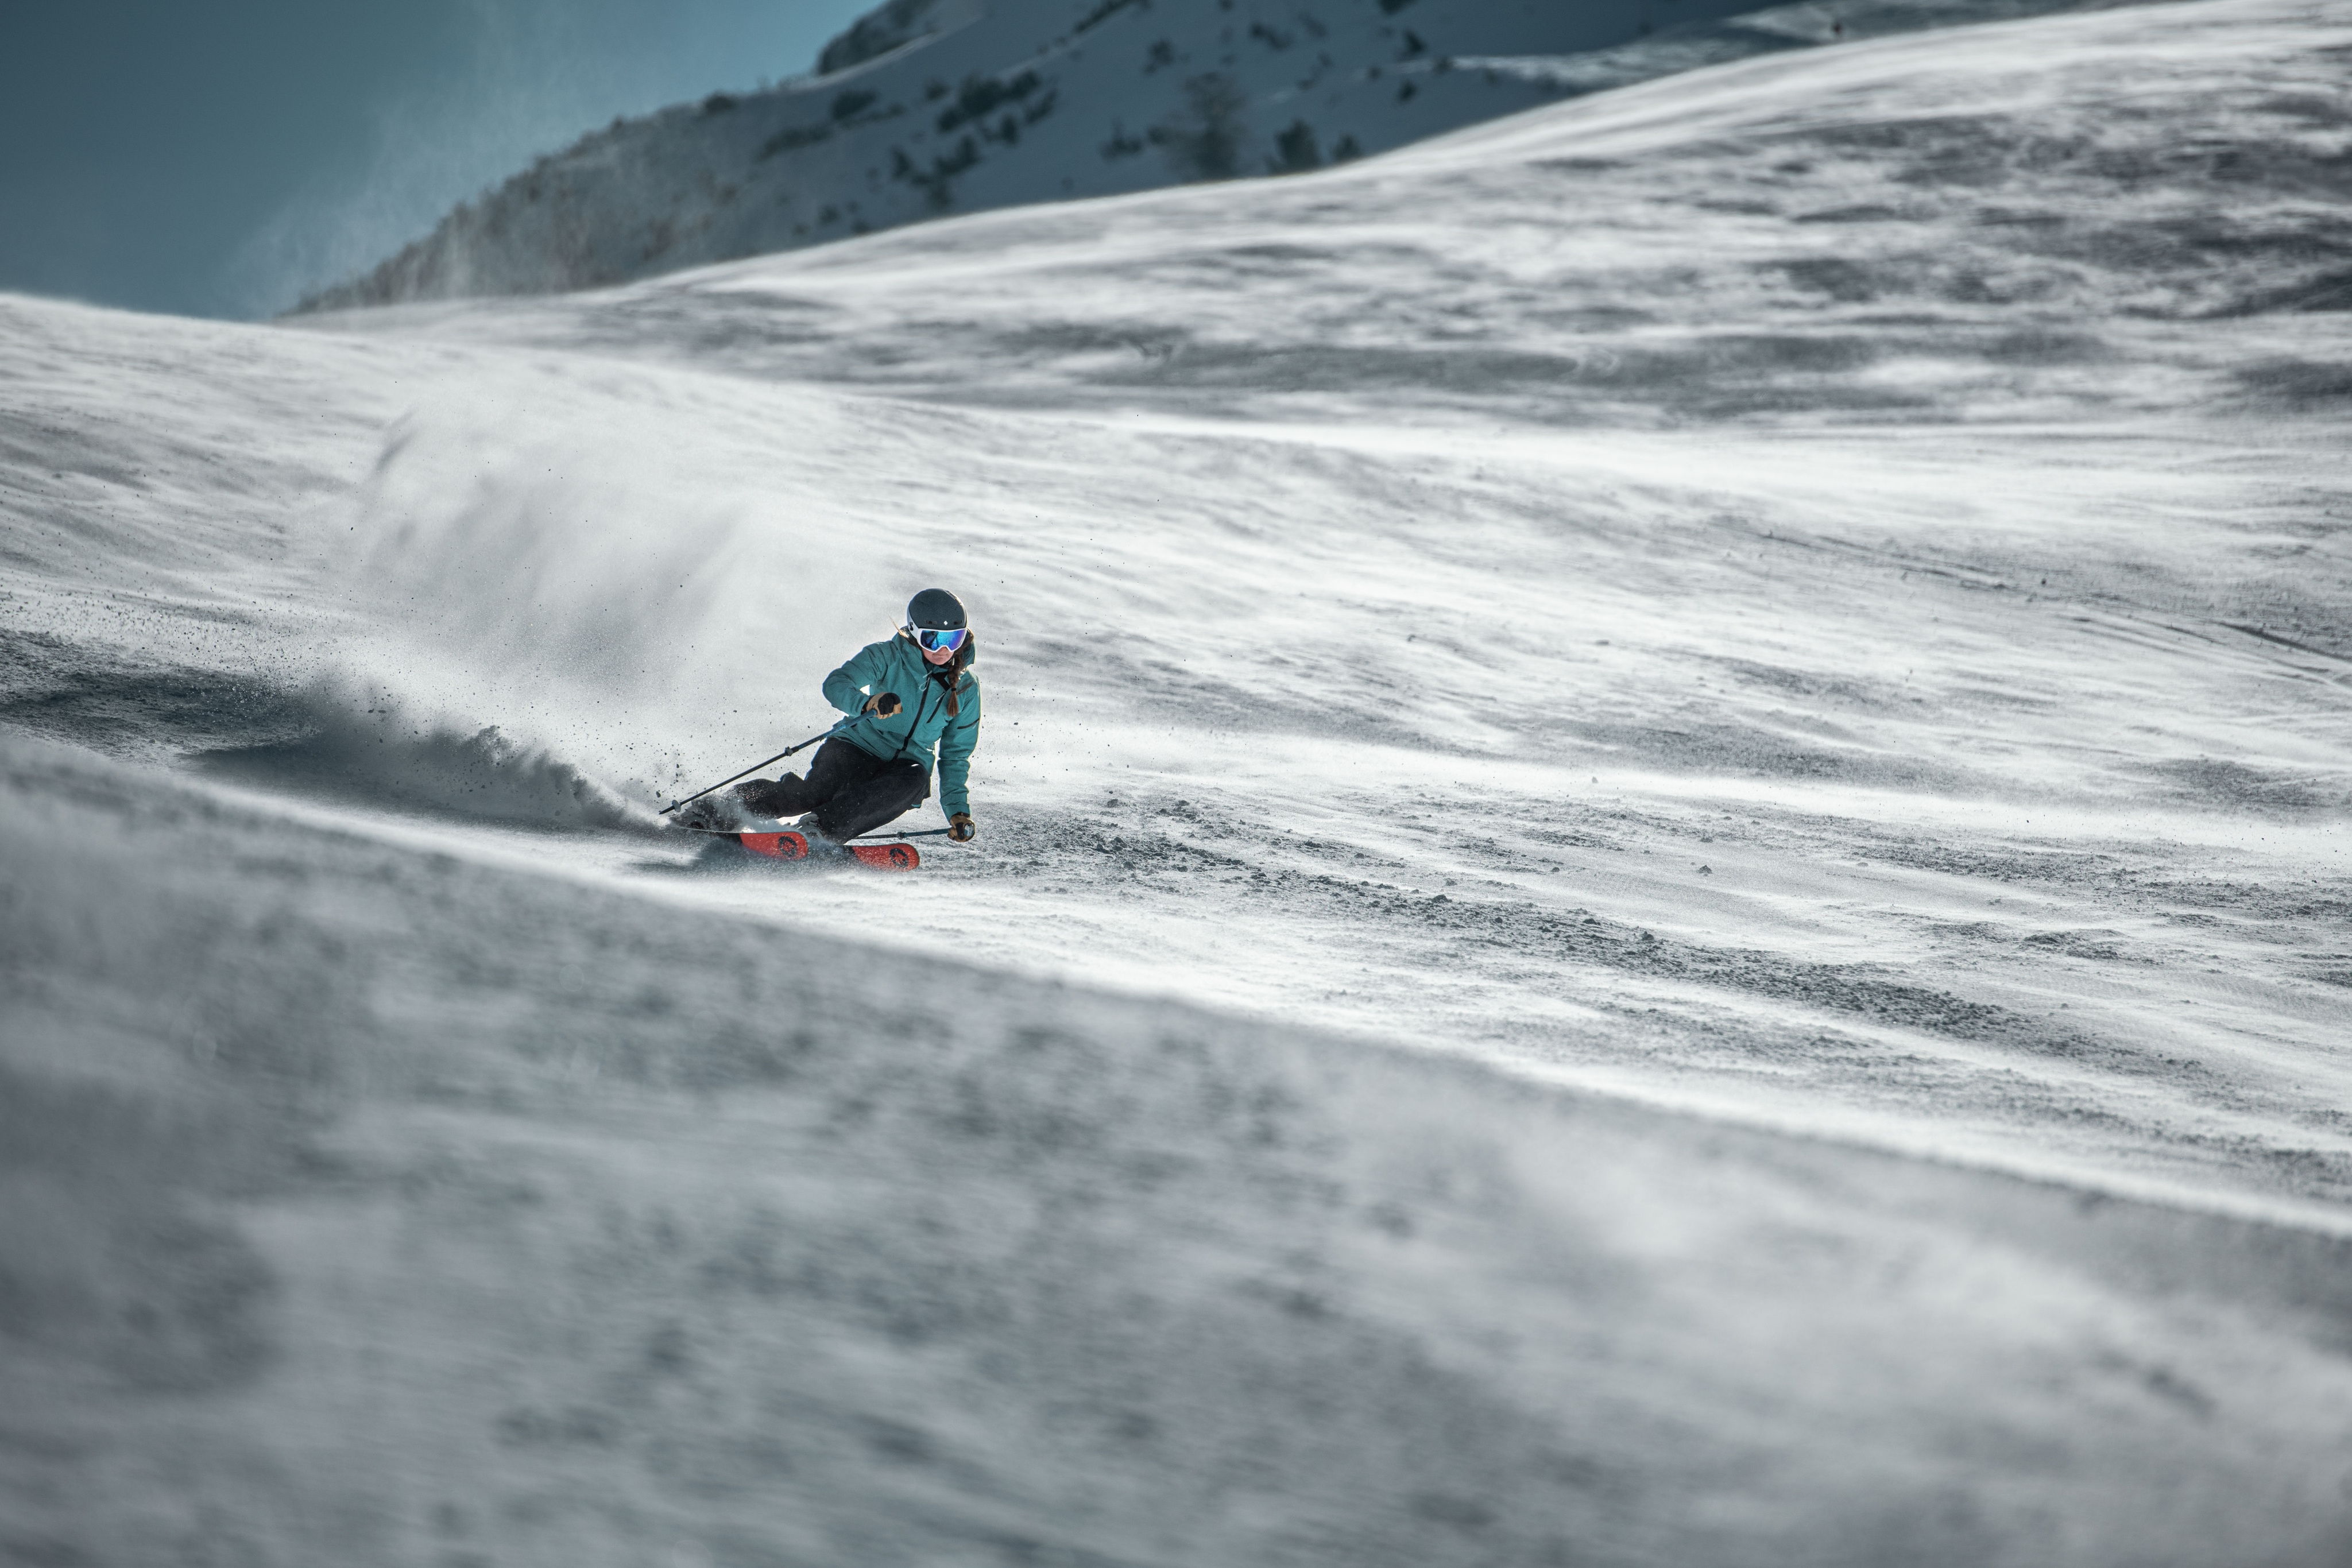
x: 888, y: 857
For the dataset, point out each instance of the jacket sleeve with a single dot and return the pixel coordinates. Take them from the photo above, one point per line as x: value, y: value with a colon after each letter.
x: 956, y: 747
x: 845, y: 687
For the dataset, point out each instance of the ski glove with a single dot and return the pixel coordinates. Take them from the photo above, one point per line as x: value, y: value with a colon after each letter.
x: 884, y: 703
x: 959, y: 827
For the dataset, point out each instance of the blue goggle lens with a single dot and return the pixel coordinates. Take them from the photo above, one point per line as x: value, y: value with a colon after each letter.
x: 934, y: 642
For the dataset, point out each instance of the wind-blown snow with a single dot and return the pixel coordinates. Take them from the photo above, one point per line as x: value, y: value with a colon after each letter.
x: 1661, y: 870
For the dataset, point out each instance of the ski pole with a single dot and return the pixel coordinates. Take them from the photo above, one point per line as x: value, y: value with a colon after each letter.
x: 722, y: 784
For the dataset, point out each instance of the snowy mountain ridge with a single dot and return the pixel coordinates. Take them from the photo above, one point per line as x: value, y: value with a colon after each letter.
x: 931, y: 106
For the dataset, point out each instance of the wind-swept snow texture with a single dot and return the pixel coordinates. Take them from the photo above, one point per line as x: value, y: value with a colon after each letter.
x: 1662, y: 871
x: 932, y: 106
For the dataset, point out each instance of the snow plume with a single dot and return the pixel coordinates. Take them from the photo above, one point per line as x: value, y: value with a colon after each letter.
x: 332, y: 733
x: 365, y: 747
x: 511, y: 587
x: 547, y: 563
x: 538, y: 557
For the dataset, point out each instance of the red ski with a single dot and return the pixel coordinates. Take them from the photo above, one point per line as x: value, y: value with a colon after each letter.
x: 788, y: 846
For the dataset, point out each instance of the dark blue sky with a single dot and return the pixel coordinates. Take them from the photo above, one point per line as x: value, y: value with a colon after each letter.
x: 219, y: 159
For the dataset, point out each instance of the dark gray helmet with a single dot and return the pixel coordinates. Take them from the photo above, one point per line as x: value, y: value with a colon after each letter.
x: 935, y: 610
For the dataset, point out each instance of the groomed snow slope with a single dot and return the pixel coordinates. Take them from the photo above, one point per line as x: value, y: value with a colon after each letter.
x: 1917, y: 467
x: 1662, y: 871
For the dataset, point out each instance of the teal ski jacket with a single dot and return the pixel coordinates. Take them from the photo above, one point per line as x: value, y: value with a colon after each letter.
x: 922, y: 721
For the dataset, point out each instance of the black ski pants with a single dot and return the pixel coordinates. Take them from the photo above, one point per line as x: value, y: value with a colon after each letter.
x: 851, y: 791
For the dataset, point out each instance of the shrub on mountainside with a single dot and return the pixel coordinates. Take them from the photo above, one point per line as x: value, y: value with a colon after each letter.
x: 1204, y: 139
x: 793, y: 136
x: 1295, y: 151
x: 981, y: 94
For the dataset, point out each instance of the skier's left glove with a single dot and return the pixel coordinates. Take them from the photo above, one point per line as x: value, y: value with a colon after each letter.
x: 959, y: 827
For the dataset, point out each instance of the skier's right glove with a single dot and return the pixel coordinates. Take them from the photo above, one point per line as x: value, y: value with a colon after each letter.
x: 883, y: 703
x: 959, y: 827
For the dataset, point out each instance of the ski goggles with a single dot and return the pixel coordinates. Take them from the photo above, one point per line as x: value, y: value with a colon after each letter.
x: 934, y: 641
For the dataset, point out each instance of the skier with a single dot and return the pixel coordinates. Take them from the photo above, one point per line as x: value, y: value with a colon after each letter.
x: 906, y: 697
